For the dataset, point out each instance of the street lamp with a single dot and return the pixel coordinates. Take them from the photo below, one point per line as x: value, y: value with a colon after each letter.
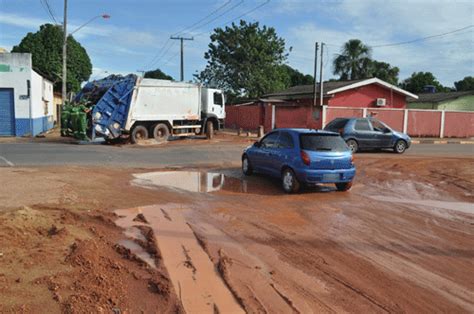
x: 63, y: 91
x: 104, y: 16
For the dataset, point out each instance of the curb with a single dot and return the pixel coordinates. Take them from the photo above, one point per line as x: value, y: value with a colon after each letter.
x: 441, y: 142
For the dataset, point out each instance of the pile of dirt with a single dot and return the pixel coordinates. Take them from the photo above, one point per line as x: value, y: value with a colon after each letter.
x: 69, y: 261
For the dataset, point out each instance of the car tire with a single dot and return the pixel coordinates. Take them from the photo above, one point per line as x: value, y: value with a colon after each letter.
x: 139, y: 134
x: 161, y: 133
x: 246, y: 166
x: 400, y: 147
x: 344, y: 186
x: 289, y: 181
x: 353, y: 145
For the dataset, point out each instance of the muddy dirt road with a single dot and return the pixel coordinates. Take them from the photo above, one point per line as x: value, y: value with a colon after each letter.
x: 75, y: 239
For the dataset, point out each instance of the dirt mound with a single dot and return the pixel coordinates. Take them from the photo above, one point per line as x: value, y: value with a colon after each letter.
x: 69, y: 261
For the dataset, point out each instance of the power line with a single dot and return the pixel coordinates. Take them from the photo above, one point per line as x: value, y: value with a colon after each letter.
x: 204, y: 18
x: 47, y: 8
x: 238, y: 17
x: 157, y: 55
x: 423, y: 38
x: 222, y: 14
x: 248, y: 12
x: 162, y: 55
x: 172, y: 57
x: 162, y: 52
x: 414, y: 40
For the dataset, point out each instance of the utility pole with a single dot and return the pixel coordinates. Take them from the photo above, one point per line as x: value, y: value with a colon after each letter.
x: 64, y: 78
x: 182, y: 39
x: 315, y: 72
x: 142, y: 72
x: 321, y: 78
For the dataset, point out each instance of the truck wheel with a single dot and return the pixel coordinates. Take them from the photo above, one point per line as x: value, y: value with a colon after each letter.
x: 209, y: 130
x: 139, y: 134
x: 161, y: 132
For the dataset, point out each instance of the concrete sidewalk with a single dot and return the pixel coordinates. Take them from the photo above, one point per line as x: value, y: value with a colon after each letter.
x: 415, y: 140
x: 434, y: 140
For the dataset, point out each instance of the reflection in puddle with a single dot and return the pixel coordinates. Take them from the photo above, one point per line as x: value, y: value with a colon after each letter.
x: 203, y: 182
x: 138, y: 251
x: 467, y: 208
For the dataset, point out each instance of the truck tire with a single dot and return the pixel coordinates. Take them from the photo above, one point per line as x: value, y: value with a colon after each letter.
x: 161, y: 133
x: 209, y: 130
x: 139, y: 134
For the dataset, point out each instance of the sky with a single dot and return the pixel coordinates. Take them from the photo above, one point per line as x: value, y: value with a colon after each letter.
x: 136, y: 37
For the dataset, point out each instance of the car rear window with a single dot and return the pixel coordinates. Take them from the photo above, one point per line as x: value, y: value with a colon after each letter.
x: 336, y: 124
x: 323, y: 142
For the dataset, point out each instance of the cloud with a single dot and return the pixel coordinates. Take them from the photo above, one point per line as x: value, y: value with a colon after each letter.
x: 21, y: 20
x: 449, y: 58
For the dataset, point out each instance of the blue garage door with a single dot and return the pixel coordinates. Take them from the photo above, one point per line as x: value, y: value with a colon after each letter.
x: 7, y: 113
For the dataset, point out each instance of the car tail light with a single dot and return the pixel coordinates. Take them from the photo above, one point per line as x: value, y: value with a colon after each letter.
x: 305, y: 158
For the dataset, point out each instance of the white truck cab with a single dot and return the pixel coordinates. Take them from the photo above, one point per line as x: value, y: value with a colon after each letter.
x: 212, y: 101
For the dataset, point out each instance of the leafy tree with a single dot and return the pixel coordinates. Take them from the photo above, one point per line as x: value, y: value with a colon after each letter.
x: 245, y: 60
x: 158, y: 74
x: 46, y: 48
x: 354, y: 61
x: 295, y: 77
x: 384, y: 71
x: 465, y: 84
x: 418, y: 80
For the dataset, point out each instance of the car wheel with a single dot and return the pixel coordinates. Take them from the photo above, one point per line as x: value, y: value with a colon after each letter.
x: 246, y: 167
x: 139, y: 134
x: 400, y: 147
x: 289, y: 181
x: 353, y: 146
x: 345, y: 186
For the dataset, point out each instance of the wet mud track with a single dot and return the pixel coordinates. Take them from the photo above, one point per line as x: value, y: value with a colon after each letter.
x: 402, y: 240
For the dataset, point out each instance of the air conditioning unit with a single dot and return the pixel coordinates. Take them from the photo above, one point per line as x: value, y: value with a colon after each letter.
x: 380, y: 102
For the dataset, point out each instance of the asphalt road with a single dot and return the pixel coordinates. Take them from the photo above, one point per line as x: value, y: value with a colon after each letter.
x: 47, y: 154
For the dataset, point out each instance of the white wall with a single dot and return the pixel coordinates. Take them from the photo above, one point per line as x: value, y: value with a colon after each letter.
x: 41, y: 96
x: 15, y: 71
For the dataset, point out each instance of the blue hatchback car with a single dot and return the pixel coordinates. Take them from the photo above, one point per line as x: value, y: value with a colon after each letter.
x: 301, y: 156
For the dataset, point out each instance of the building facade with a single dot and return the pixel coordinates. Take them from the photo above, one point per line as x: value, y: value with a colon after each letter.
x: 295, y: 107
x: 456, y: 101
x: 26, y: 98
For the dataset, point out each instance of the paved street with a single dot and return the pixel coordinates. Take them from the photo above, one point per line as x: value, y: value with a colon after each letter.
x: 200, y: 152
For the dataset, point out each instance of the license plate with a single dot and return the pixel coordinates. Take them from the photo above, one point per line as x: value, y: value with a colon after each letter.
x: 331, y: 177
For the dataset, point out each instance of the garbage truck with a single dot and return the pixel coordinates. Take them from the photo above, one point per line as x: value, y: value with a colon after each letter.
x: 142, y: 108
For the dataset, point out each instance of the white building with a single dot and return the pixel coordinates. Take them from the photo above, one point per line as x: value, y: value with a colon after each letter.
x: 26, y: 98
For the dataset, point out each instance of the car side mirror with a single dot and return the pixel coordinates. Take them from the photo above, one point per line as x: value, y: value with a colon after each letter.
x: 387, y: 131
x: 257, y: 144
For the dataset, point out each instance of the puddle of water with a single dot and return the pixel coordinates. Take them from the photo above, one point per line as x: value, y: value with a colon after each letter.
x: 134, y: 233
x: 202, y: 182
x: 138, y: 251
x: 463, y: 207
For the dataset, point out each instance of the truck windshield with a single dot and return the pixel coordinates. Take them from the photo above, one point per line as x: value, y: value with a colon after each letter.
x: 323, y: 142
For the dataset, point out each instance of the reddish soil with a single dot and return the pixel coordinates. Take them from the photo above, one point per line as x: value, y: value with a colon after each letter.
x: 400, y: 241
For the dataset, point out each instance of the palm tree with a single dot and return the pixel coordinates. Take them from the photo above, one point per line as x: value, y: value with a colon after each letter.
x: 354, y: 61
